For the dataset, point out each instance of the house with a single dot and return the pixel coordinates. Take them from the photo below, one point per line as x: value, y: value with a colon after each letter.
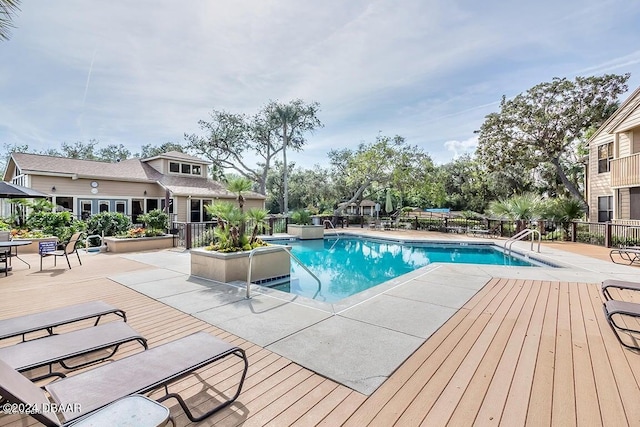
x: 132, y: 186
x: 613, y: 171
x: 366, y: 207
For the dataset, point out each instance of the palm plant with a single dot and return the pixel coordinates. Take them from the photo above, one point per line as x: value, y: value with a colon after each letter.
x: 8, y: 9
x: 229, y: 234
x: 563, y: 211
x: 521, y: 208
x: 259, y: 217
x: 239, y: 185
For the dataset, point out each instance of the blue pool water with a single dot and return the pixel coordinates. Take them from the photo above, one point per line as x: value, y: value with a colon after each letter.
x: 349, y: 265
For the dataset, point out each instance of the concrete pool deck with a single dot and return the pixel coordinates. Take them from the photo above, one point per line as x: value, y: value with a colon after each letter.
x: 358, y: 343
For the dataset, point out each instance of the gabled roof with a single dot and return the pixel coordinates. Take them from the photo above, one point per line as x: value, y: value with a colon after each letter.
x: 200, y: 187
x: 176, y: 155
x: 127, y: 170
x: 135, y: 170
x: 625, y: 109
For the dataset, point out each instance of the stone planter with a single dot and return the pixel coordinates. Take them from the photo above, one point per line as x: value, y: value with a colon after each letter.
x: 306, y: 232
x: 138, y: 244
x: 33, y: 247
x: 228, y: 267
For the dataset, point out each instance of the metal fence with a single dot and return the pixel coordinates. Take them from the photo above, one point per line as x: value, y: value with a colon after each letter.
x: 197, y: 234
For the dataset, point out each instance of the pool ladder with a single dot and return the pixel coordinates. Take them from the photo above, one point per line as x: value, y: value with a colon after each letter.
x: 521, y: 235
x: 292, y: 256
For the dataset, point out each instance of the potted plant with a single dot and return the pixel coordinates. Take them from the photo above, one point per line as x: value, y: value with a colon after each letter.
x: 302, y: 227
x: 226, y: 258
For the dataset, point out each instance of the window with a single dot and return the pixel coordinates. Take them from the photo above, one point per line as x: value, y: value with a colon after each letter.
x: 170, y: 205
x: 605, y: 155
x: 121, y: 206
x: 185, y: 168
x: 205, y: 215
x: 152, y: 204
x: 195, y: 210
x: 605, y: 208
x: 85, y: 209
x: 103, y: 206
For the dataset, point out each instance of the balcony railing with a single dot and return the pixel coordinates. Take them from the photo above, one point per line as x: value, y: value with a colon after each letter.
x: 625, y: 171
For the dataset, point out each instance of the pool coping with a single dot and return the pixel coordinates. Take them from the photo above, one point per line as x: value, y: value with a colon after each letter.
x: 344, y: 304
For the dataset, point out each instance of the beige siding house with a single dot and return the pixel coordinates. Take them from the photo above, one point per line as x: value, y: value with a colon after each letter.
x: 613, y: 174
x: 131, y: 187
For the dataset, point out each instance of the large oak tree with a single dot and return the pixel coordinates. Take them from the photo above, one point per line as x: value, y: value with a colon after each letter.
x: 545, y: 124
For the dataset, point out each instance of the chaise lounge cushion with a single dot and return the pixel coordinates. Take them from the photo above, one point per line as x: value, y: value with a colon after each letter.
x: 59, y: 348
x: 47, y: 320
x: 144, y: 372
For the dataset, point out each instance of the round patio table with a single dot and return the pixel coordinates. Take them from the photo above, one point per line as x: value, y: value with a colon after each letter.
x: 13, y: 244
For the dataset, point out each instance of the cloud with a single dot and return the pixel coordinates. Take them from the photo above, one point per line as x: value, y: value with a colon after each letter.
x: 461, y: 147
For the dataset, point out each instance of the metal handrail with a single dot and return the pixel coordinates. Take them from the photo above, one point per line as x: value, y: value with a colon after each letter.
x: 521, y: 235
x: 332, y: 226
x: 287, y: 250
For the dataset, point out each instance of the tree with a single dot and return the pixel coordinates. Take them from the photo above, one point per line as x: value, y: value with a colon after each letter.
x: 113, y: 153
x: 231, y: 139
x: 80, y: 150
x: 8, y: 9
x: 547, y: 123
x: 154, y: 150
x: 371, y: 164
x: 293, y: 120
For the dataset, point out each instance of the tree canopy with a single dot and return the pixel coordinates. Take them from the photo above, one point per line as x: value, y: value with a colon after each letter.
x: 8, y: 9
x: 292, y: 121
x: 545, y: 125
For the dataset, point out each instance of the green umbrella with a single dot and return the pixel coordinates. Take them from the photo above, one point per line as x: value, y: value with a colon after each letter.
x: 388, y: 206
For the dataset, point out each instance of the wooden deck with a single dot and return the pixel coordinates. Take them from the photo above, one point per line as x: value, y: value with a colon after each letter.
x: 518, y: 353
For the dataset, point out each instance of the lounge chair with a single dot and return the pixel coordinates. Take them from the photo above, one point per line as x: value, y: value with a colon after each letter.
x: 61, y: 348
x: 140, y: 373
x: 67, y: 249
x: 48, y: 320
x: 621, y: 309
x: 627, y: 255
x: 617, y: 284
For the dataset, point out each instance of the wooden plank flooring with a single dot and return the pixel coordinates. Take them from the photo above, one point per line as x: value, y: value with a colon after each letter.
x: 520, y: 352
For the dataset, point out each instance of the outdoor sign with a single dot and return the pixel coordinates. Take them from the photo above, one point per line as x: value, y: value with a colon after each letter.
x: 44, y: 247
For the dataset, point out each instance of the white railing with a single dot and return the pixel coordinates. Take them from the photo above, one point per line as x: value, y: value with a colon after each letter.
x: 521, y: 235
x: 287, y: 250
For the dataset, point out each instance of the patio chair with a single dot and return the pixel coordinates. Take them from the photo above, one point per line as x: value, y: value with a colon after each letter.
x: 48, y: 320
x: 140, y: 373
x: 627, y: 255
x: 617, y: 284
x: 60, y: 349
x: 68, y: 248
x: 622, y: 309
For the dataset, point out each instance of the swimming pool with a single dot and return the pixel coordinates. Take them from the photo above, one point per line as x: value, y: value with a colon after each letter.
x: 349, y: 265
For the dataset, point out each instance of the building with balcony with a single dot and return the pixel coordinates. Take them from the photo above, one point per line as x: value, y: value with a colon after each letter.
x: 613, y: 171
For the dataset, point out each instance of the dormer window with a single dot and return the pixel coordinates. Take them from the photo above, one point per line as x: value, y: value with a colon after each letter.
x: 185, y: 168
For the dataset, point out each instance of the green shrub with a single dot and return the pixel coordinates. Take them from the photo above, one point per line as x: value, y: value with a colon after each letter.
x: 59, y: 224
x: 301, y: 217
x: 111, y: 223
x: 155, y: 219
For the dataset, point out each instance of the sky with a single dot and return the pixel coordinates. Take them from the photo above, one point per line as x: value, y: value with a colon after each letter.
x: 146, y: 71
